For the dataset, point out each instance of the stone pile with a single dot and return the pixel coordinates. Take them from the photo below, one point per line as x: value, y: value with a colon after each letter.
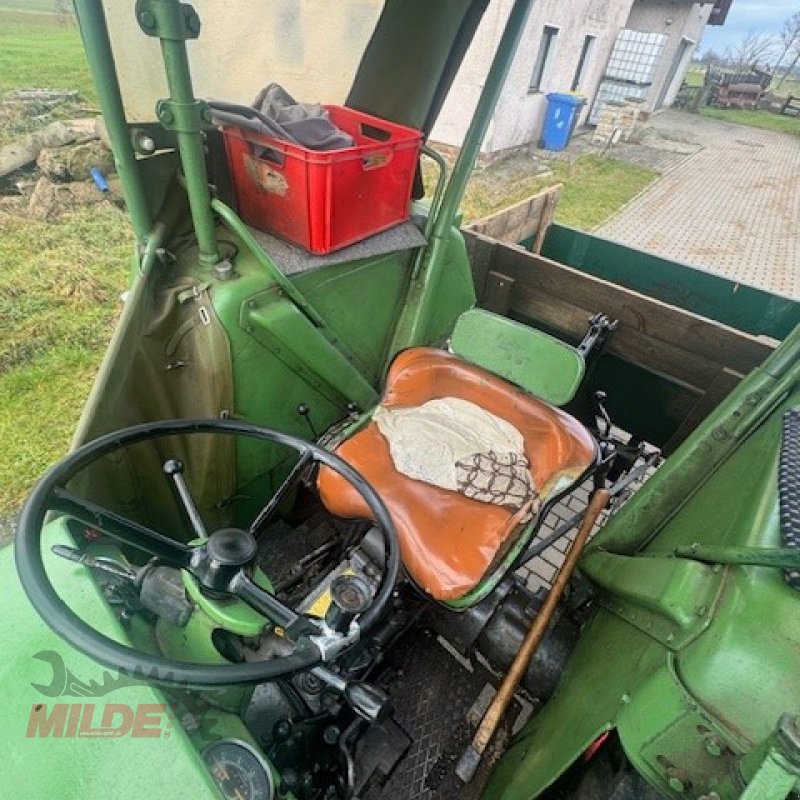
x: 619, y: 121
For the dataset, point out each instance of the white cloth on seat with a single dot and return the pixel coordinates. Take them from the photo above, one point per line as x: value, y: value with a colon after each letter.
x: 457, y: 445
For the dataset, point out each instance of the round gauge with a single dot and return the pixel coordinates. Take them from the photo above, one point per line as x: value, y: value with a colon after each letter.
x: 239, y: 770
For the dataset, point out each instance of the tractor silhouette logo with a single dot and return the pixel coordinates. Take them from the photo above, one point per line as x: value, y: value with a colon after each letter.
x: 90, y: 720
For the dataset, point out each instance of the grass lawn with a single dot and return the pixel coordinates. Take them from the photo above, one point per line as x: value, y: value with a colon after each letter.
x: 60, y: 281
x: 755, y: 119
x: 37, y: 51
x: 694, y: 77
x: 59, y: 298
x: 40, y: 50
x: 595, y: 187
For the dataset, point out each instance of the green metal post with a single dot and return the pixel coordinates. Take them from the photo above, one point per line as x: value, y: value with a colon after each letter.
x: 174, y: 22
x: 779, y: 768
x: 92, y: 22
x: 424, y: 280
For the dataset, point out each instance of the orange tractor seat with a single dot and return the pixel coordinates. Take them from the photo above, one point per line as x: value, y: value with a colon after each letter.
x: 449, y: 542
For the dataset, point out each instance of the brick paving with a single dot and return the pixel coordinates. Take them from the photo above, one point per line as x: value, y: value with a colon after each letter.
x: 541, y: 571
x: 732, y: 207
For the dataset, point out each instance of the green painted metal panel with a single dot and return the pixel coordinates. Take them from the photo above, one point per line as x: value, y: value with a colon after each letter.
x: 610, y: 660
x: 360, y: 302
x: 96, y: 767
x: 772, y: 782
x: 735, y: 304
x: 541, y: 364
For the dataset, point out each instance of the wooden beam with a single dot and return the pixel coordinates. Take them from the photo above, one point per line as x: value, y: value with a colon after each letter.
x: 667, y: 327
x: 548, y: 214
x: 524, y: 220
x: 629, y: 344
x: 480, y: 252
x: 499, y: 288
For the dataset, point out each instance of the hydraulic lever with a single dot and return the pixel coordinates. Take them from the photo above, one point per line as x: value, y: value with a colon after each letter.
x: 369, y: 702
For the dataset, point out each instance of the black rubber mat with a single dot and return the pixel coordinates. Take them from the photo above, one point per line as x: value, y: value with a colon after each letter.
x: 438, y: 702
x: 789, y: 488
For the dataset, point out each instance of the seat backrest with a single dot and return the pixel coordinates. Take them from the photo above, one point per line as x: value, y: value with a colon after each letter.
x: 535, y: 361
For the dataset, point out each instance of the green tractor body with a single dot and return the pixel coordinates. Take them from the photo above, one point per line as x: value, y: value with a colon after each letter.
x: 670, y: 669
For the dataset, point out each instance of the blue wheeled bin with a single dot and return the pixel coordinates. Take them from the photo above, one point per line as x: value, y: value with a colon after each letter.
x: 560, y: 119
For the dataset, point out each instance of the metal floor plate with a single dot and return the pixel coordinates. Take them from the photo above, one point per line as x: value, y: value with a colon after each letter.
x: 439, y: 700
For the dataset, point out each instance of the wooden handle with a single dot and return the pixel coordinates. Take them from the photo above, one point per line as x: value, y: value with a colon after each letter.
x: 534, y: 636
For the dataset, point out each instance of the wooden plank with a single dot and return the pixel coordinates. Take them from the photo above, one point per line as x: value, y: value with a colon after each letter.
x: 480, y: 252
x: 521, y: 221
x: 702, y: 337
x: 633, y: 346
x: 720, y: 387
x: 546, y: 219
x: 498, y: 293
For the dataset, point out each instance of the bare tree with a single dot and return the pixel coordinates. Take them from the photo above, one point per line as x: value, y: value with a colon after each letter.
x: 790, y: 41
x: 789, y: 38
x: 751, y: 50
x: 710, y: 57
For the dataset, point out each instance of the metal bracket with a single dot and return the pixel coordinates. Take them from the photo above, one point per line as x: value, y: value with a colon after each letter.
x: 184, y: 117
x: 779, y: 771
x: 331, y: 643
x: 600, y: 327
x: 666, y: 598
x: 168, y: 19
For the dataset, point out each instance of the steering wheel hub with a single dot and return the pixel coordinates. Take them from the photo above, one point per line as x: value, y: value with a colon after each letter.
x: 232, y: 547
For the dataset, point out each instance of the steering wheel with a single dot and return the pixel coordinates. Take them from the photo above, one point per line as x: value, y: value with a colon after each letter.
x: 222, y: 562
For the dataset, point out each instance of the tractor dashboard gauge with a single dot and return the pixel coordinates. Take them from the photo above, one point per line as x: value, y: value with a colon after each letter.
x: 239, y: 770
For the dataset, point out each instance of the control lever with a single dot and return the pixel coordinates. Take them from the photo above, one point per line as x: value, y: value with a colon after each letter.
x: 102, y: 563
x: 600, y: 327
x: 369, y: 702
x: 174, y: 468
x: 602, y: 415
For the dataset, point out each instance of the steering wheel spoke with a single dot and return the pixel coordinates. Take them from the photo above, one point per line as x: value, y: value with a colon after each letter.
x: 120, y: 528
x: 266, y: 513
x: 295, y: 625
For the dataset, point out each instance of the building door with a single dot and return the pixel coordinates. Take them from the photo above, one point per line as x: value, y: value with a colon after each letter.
x: 631, y: 68
x: 676, y: 70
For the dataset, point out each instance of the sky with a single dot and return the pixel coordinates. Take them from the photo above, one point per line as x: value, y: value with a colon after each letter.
x: 763, y: 16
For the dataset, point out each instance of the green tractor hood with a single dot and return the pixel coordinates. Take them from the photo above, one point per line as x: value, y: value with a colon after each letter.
x: 72, y: 728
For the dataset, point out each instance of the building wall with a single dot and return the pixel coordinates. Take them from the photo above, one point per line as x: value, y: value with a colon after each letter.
x: 678, y: 20
x: 520, y: 112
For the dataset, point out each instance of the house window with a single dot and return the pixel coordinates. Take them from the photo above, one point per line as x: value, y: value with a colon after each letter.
x: 583, y: 62
x: 544, y: 58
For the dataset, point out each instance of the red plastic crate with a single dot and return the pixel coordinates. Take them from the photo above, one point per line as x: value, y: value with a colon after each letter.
x: 325, y: 200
